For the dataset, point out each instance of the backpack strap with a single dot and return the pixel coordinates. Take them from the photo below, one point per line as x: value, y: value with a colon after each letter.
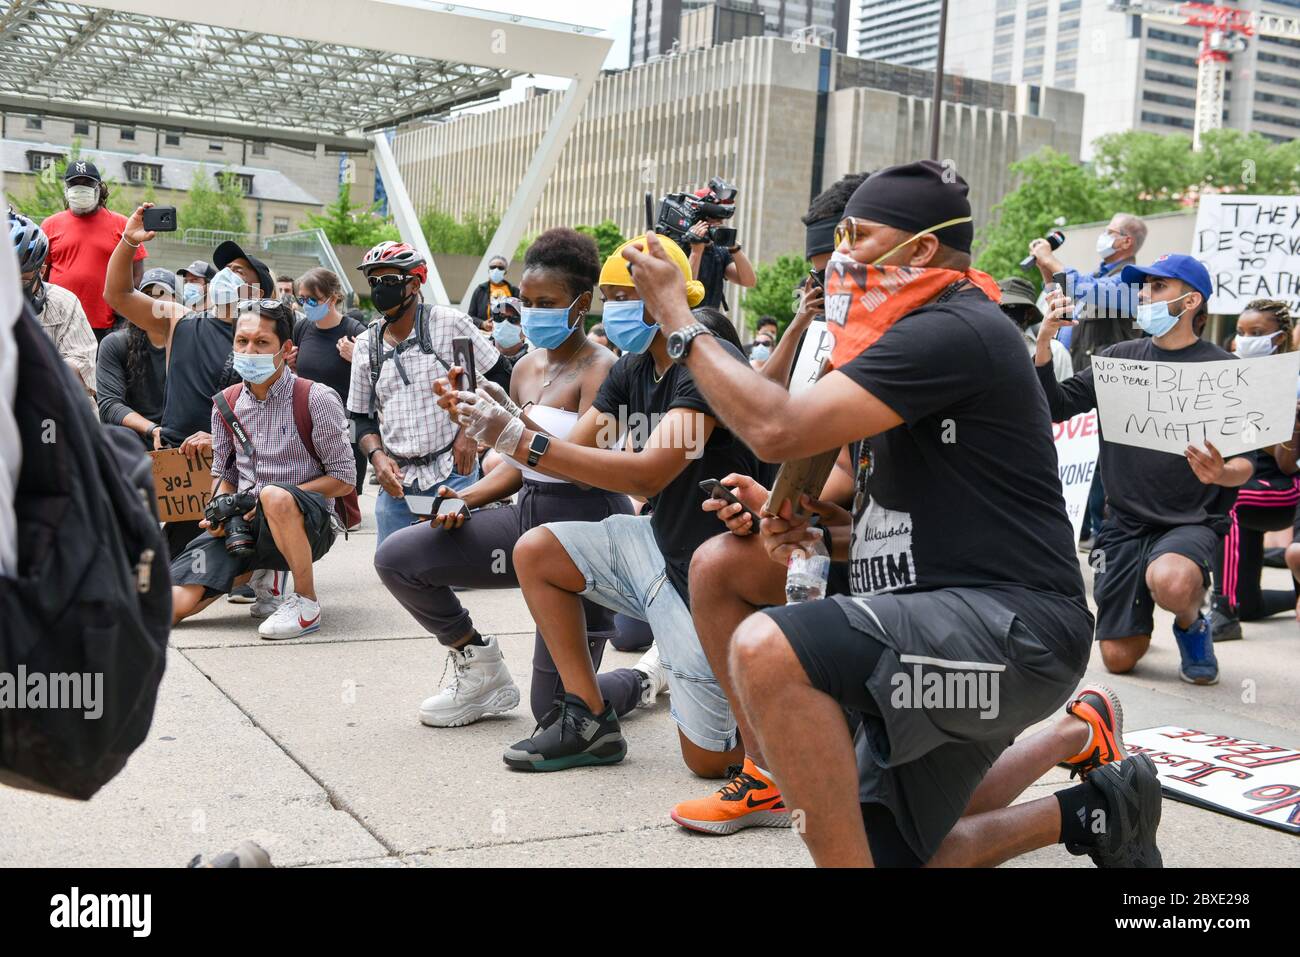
x: 302, y: 416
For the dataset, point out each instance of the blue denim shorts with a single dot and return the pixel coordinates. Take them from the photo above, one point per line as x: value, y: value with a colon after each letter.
x: 625, y: 571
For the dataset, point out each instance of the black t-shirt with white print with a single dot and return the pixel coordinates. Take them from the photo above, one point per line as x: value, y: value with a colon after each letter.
x: 966, y: 491
x: 633, y: 394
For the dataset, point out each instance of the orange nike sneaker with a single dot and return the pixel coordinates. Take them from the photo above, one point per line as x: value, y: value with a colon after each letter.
x: 749, y: 799
x: 1098, y: 707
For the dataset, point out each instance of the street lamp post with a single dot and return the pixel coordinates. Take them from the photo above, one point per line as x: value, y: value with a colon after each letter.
x: 936, y: 107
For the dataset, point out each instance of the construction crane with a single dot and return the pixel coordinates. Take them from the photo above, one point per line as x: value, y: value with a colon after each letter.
x: 1226, y: 30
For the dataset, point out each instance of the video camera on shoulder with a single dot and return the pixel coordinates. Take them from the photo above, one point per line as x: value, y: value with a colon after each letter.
x: 678, y: 212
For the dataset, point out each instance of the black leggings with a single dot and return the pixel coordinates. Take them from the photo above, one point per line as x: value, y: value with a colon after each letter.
x: 1240, y: 556
x: 421, y: 564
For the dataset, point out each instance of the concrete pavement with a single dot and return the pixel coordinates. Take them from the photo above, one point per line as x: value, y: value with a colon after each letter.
x: 312, y: 747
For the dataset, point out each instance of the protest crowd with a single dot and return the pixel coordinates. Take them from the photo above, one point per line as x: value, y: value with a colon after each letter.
x: 799, y: 568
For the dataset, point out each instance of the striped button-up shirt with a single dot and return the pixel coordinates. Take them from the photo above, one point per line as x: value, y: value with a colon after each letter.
x: 279, y: 456
x: 411, y: 424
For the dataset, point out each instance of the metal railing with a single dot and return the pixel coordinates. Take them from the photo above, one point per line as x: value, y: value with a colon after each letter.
x: 305, y: 243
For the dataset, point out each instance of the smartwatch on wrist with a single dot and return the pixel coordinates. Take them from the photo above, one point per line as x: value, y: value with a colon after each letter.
x: 537, y: 448
x: 679, y: 342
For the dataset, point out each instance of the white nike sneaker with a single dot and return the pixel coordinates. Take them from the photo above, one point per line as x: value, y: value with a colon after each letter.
x: 656, y: 677
x: 480, y: 685
x: 269, y: 587
x: 296, y: 616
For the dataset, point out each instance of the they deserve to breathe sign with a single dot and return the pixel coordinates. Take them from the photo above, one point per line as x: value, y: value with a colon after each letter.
x: 1251, y: 246
x: 1236, y: 404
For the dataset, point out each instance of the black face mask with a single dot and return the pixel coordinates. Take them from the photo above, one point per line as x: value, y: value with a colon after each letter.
x: 36, y: 295
x: 391, y: 299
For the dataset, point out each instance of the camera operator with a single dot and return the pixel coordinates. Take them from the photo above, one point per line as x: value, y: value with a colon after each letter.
x: 715, y: 255
x: 1107, y: 301
x: 272, y: 501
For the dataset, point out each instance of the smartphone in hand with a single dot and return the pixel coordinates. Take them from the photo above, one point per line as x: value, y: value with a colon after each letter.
x: 160, y: 219
x: 462, y: 350
x: 715, y: 489
x: 452, y: 506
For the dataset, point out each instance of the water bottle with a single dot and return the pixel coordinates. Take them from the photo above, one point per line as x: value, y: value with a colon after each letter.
x: 806, y: 573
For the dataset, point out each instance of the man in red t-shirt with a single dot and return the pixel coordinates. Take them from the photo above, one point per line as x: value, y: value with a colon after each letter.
x: 82, y: 237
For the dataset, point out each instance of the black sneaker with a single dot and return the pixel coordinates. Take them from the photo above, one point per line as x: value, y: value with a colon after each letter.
x: 1132, y: 792
x: 242, y: 595
x: 1224, y: 625
x: 569, y: 737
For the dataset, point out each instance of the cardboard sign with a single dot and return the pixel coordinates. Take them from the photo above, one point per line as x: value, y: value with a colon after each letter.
x: 1077, y: 443
x: 183, y: 486
x: 1237, y: 404
x: 1251, y: 246
x: 815, y: 348
x: 1236, y: 776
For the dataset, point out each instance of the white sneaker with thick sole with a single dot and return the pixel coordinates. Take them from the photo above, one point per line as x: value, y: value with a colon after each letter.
x: 656, y: 677
x: 295, y: 617
x: 268, y: 590
x: 480, y: 685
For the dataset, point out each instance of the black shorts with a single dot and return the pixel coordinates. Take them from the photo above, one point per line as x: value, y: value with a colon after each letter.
x: 943, y: 681
x: 206, y: 562
x: 1119, y: 562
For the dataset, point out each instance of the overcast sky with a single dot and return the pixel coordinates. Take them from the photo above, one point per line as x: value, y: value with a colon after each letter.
x: 614, y: 17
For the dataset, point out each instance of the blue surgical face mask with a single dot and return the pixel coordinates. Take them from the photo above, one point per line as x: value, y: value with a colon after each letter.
x: 626, y: 326
x: 255, y: 367
x: 497, y: 275
x: 506, y: 334
x: 547, y: 328
x: 761, y: 353
x: 224, y: 288
x: 193, y: 294
x: 1154, y: 318
x: 316, y: 311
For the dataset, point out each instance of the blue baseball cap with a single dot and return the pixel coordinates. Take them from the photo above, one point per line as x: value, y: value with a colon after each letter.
x: 1173, y: 266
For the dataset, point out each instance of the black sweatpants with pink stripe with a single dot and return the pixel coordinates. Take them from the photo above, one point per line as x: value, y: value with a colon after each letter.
x: 1240, y: 558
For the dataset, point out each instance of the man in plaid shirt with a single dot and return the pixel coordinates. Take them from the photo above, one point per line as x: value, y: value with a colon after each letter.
x: 413, y: 445
x: 292, y: 492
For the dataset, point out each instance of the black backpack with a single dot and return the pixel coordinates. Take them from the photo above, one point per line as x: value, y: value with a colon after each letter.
x: 92, y: 593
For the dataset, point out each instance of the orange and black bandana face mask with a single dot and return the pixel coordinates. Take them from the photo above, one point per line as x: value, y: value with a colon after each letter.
x: 863, y: 301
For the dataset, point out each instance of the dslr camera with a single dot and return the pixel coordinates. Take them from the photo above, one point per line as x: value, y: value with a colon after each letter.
x: 229, y: 510
x: 678, y: 212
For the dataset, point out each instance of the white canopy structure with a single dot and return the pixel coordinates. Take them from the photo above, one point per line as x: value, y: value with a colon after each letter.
x: 297, y: 72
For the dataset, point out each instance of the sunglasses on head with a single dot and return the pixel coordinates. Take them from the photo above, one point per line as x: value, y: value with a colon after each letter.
x: 390, y: 279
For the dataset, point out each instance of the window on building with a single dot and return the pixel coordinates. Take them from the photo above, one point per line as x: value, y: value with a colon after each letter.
x: 1151, y: 96
x: 172, y: 139
x: 1068, y: 5
x: 1036, y: 14
x: 1007, y: 19
x: 1035, y: 33
x: 1068, y: 46
x: 1280, y: 80
x: 1066, y: 66
x: 1034, y: 52
x: 215, y: 147
x: 1033, y: 73
x: 1163, y: 57
x: 36, y: 162
x: 143, y: 173
x: 1169, y: 37
x: 281, y: 225
x: 35, y: 123
x: 1174, y: 79
x: 81, y: 127
x: 1163, y: 120
x: 259, y: 149
x: 127, y: 133
x: 1259, y: 117
x: 1067, y: 25
x: 243, y: 180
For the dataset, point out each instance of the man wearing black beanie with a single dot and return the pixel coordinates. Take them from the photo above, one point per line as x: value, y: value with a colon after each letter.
x: 967, y: 620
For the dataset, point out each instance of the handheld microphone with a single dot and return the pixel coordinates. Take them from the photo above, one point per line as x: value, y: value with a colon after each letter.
x: 1054, y: 239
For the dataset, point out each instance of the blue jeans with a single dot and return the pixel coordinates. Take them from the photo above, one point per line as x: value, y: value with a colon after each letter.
x: 391, y: 514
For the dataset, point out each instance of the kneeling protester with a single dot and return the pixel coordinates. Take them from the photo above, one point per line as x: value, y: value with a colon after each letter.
x: 283, y: 470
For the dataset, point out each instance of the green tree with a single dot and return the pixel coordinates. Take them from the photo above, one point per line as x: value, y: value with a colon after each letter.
x: 351, y: 224
x: 1053, y: 190
x: 216, y: 205
x: 773, y: 293
x: 1140, y: 172
x: 607, y: 237
x: 468, y: 237
x: 46, y: 196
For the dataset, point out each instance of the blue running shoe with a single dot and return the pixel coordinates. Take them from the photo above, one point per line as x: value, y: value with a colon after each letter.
x: 1196, y: 647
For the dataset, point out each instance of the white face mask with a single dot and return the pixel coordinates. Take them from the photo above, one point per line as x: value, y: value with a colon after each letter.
x: 1105, y: 245
x: 224, y: 288
x: 82, y: 198
x: 1252, y: 347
